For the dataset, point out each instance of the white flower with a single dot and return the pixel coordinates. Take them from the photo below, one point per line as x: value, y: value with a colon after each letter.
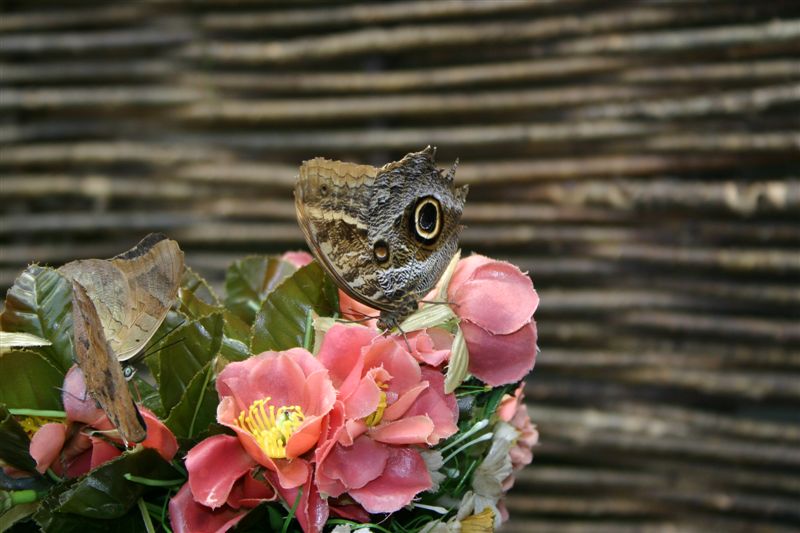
x: 487, y: 483
x: 434, y: 463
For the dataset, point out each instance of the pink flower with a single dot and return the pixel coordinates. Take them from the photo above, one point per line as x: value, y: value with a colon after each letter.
x: 70, y: 450
x: 387, y: 404
x: 298, y: 259
x: 512, y: 410
x: 495, y: 302
x: 278, y: 404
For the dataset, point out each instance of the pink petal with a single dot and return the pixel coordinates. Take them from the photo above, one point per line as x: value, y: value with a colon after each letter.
x: 408, y: 430
x: 340, y: 353
x: 268, y: 375
x: 159, y: 437
x: 305, y: 438
x: 227, y: 413
x: 404, y: 402
x: 355, y: 465
x: 500, y: 359
x: 292, y: 473
x: 354, y: 310
x: 431, y: 346
x: 188, y: 516
x: 404, y: 369
x: 464, y: 271
x: 46, y: 444
x: 312, y: 509
x: 441, y: 408
x: 364, y: 399
x: 214, y: 465
x: 79, y: 404
x: 319, y: 394
x: 298, y: 258
x: 248, y: 492
x: 403, y: 478
x: 102, y: 452
x: 498, y: 297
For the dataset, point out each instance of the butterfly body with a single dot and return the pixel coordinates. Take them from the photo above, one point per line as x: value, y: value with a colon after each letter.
x: 384, y: 234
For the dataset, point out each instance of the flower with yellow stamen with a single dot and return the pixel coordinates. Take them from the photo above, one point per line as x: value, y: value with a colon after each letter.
x: 271, y: 427
x: 375, y: 418
x: 31, y: 424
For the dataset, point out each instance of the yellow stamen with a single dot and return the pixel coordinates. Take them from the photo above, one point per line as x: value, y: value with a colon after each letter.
x: 375, y: 418
x: 482, y: 522
x: 32, y: 424
x: 270, y: 427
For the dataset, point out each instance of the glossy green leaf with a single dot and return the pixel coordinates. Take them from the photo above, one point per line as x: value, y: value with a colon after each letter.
x: 196, y: 298
x: 131, y: 522
x: 197, y: 409
x: 186, y: 351
x: 236, y: 337
x: 281, y: 322
x: 104, y: 493
x: 40, y: 303
x: 30, y: 381
x: 249, y: 280
x: 14, y: 442
x: 17, y: 514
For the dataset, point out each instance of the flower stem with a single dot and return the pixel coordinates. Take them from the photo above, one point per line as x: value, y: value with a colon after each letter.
x: 200, y: 400
x: 467, y: 434
x: 38, y: 412
x: 482, y: 438
x: 52, y: 475
x: 148, y: 524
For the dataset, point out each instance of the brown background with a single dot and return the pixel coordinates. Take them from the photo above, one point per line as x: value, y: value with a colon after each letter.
x: 640, y: 159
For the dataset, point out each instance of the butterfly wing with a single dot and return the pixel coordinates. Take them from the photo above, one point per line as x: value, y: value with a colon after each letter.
x: 101, y: 370
x: 331, y: 209
x: 132, y: 292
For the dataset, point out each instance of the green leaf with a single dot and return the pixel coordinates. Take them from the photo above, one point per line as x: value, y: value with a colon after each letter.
x: 54, y: 522
x: 14, y: 442
x: 197, y: 409
x: 281, y: 322
x: 195, y: 296
x: 186, y: 351
x: 104, y: 492
x: 29, y: 381
x: 146, y: 394
x: 40, y: 303
x: 16, y: 514
x: 249, y: 280
x: 236, y: 337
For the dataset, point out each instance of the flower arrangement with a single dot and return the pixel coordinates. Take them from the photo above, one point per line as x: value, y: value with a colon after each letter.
x: 280, y: 407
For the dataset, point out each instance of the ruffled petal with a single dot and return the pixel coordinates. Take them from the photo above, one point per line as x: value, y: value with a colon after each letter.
x: 159, y: 437
x: 312, y: 509
x: 354, y: 310
x: 248, y: 492
x: 188, y: 516
x: 355, y: 466
x: 292, y: 473
x: 408, y: 430
x: 498, y: 297
x: 46, y: 444
x: 500, y: 359
x: 102, y: 452
x: 340, y: 353
x: 441, y: 408
x: 404, y: 477
x: 214, y: 465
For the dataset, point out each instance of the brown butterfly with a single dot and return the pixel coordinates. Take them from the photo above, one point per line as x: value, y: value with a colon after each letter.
x: 117, y: 306
x: 385, y: 235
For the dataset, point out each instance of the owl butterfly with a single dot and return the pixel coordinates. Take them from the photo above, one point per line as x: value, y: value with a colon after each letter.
x: 117, y: 306
x: 385, y: 235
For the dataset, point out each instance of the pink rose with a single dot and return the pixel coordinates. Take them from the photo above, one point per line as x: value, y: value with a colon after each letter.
x: 69, y: 449
x: 512, y: 410
x: 387, y: 403
x: 278, y: 404
x: 495, y: 302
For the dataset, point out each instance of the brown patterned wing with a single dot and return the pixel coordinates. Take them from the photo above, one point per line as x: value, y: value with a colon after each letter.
x: 101, y: 370
x: 133, y: 291
x: 331, y: 201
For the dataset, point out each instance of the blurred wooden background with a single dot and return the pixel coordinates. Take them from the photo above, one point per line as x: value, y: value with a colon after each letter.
x: 641, y: 159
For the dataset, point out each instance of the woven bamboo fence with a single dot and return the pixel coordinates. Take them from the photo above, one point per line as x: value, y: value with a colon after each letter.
x: 640, y: 159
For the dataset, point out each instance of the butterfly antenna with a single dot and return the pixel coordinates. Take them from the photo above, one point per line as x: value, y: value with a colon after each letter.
x: 166, y: 334
x: 437, y: 302
x: 145, y: 356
